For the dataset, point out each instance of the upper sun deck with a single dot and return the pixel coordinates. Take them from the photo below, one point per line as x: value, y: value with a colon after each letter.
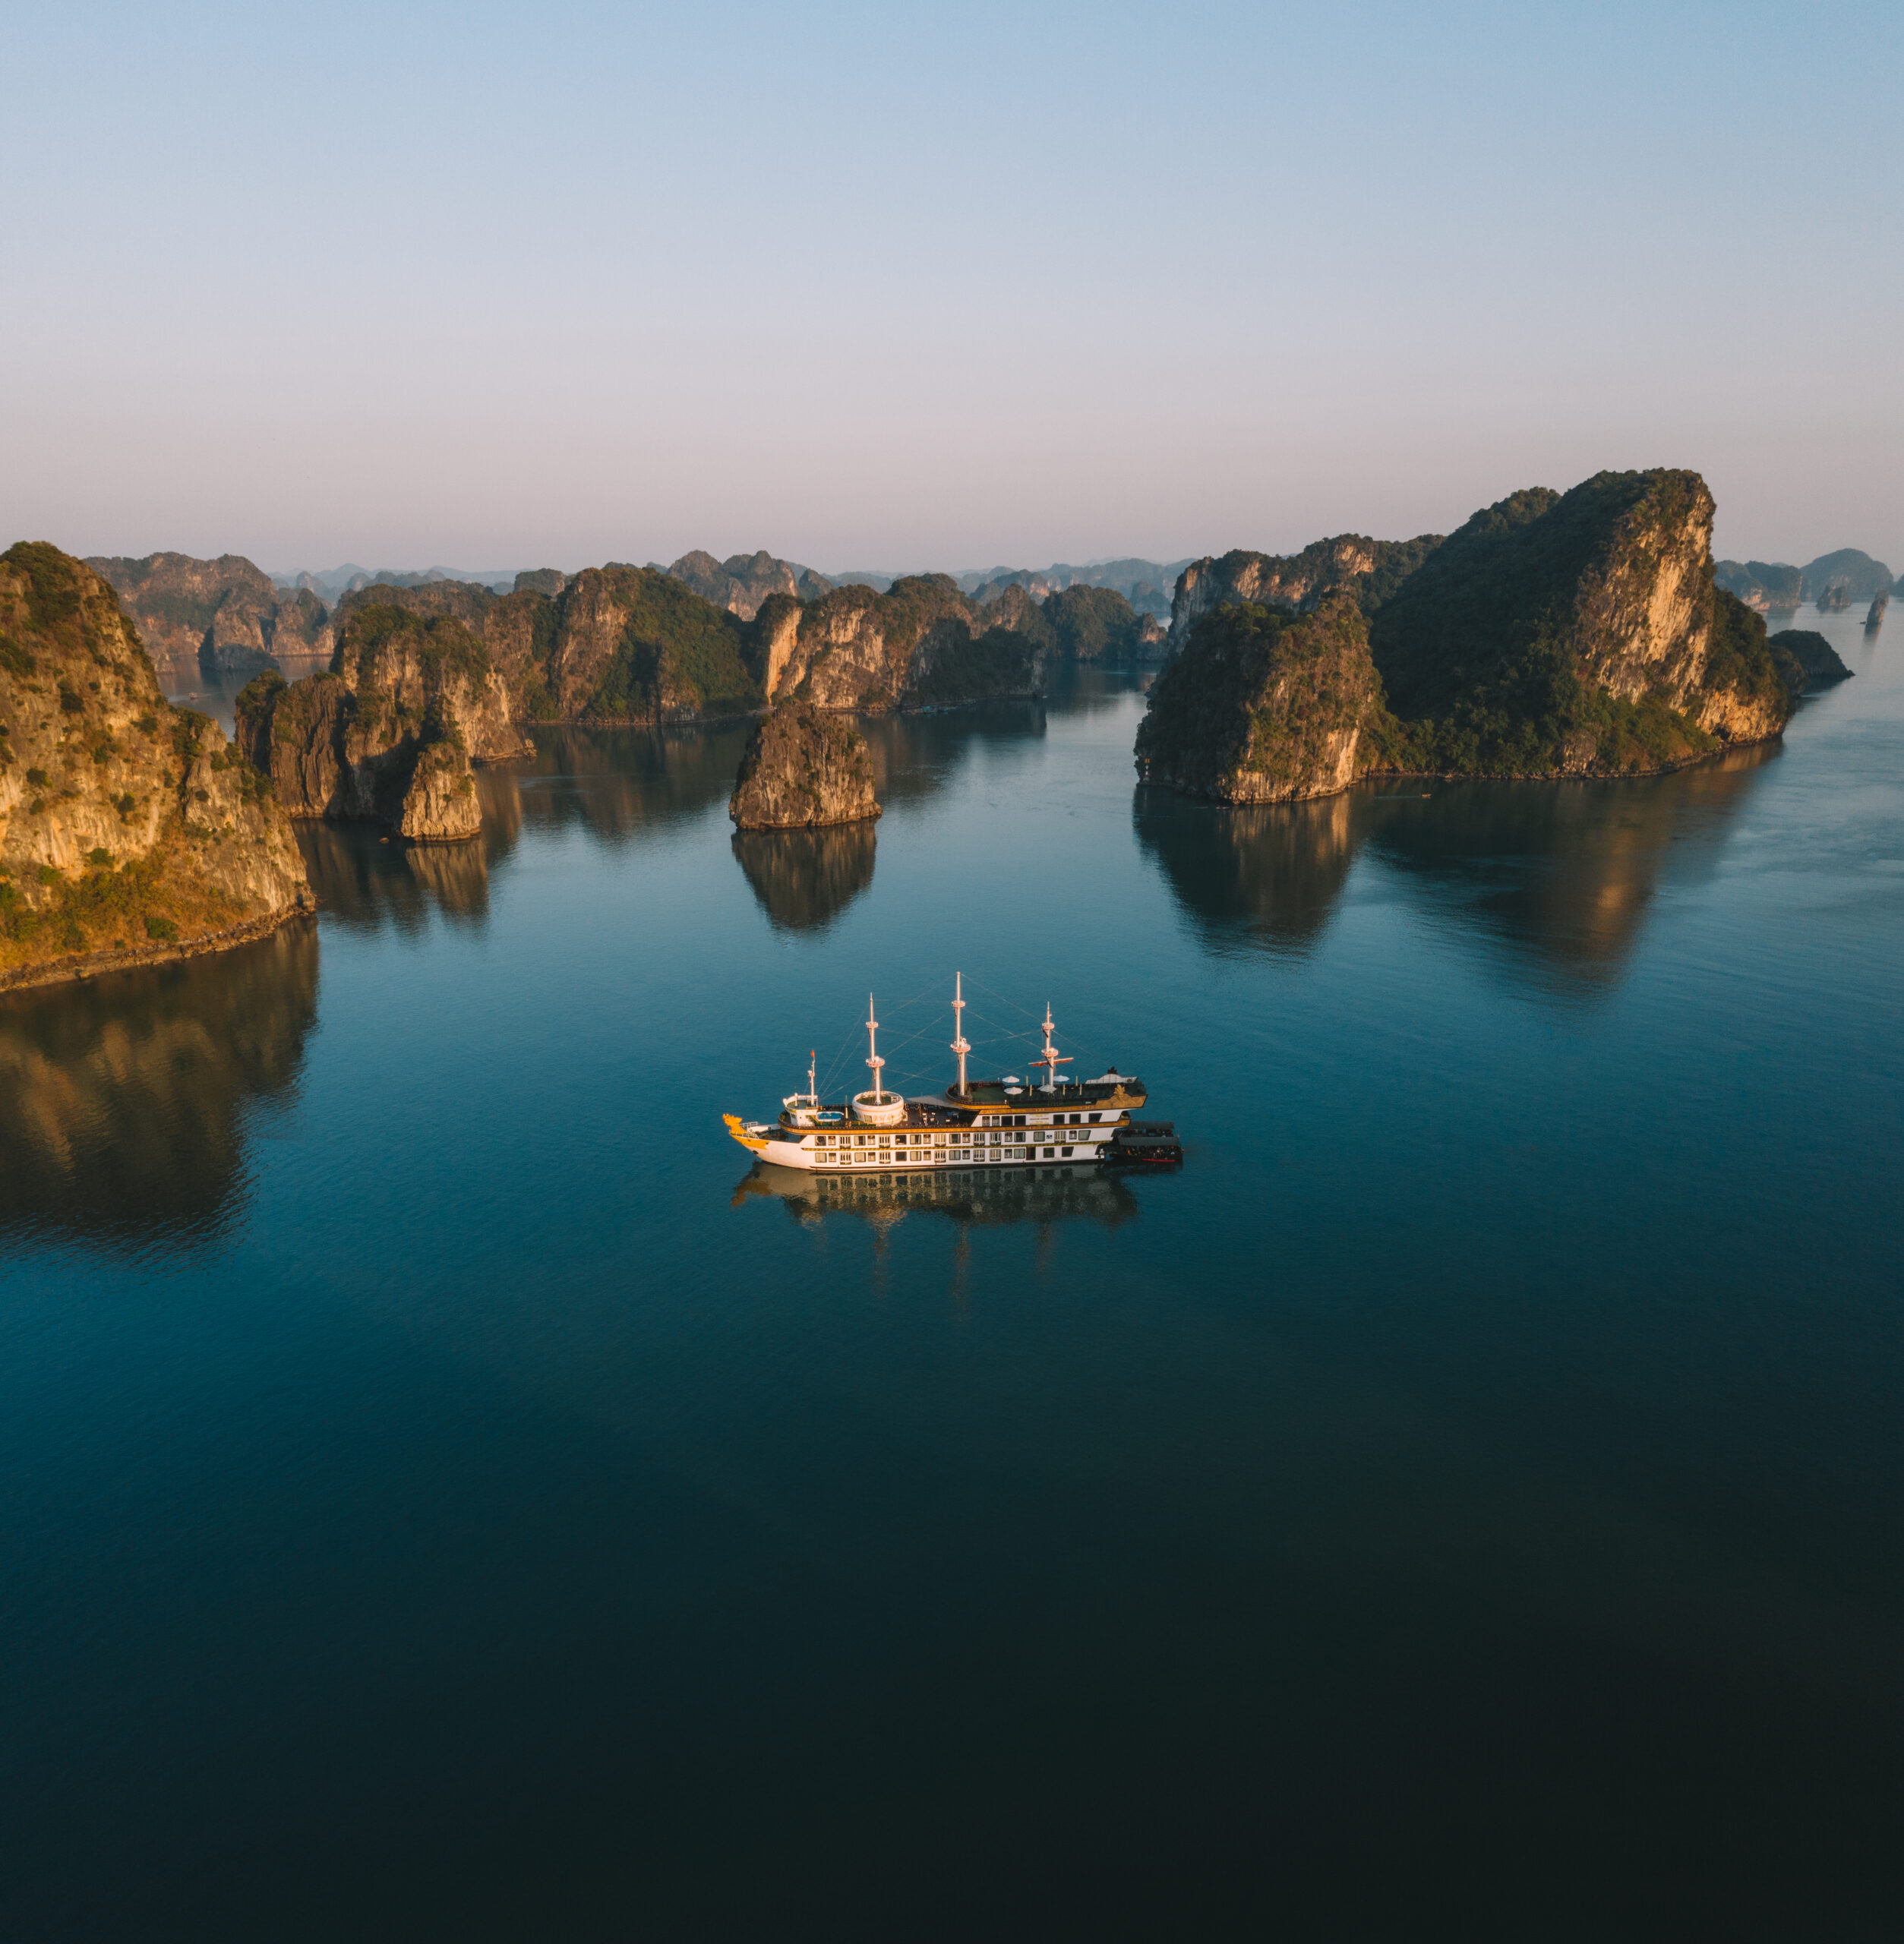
x: 982, y: 1099
x: 1019, y: 1096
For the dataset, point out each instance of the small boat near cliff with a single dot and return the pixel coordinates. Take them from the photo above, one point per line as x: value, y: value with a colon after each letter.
x: 1006, y: 1122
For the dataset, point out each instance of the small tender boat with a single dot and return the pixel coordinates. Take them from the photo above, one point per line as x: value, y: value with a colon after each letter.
x: 1006, y: 1122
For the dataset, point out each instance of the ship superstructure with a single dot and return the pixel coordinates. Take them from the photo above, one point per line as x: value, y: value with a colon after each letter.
x: 1004, y: 1122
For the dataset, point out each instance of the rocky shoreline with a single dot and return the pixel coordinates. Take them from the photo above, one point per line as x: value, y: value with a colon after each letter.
x: 81, y: 966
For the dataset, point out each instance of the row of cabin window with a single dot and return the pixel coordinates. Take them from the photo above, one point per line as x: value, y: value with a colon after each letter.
x: 983, y: 1147
x: 1021, y: 1152
x: 1036, y: 1120
x: 957, y: 1140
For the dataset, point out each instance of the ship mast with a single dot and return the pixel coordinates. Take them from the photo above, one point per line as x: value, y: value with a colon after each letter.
x: 960, y: 1044
x: 873, y: 1050
x: 1053, y: 1058
x: 813, y: 1063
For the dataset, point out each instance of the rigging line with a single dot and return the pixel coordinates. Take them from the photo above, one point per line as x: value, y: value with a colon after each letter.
x: 1014, y: 1034
x: 1002, y: 1000
x: 918, y: 1033
x: 1034, y: 1038
x: 1003, y: 1025
x: 978, y: 1012
x: 924, y: 992
x: 837, y: 1062
x: 844, y: 1048
x: 901, y: 1046
x: 1037, y: 1027
x: 843, y: 1058
x: 1010, y: 1029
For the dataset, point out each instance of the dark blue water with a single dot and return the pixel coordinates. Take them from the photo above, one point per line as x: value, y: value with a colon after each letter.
x: 446, y: 1493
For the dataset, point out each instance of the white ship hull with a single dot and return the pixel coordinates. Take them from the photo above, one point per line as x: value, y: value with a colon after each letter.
x: 986, y: 1123
x: 938, y: 1147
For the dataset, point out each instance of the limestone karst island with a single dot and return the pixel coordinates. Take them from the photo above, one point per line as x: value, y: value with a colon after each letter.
x: 129, y: 829
x: 1583, y: 633
x: 1574, y: 634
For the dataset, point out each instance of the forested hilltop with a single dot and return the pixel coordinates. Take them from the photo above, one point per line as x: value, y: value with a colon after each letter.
x: 1555, y: 634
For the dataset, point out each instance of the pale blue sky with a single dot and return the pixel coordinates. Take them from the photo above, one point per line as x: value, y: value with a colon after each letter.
x: 496, y: 285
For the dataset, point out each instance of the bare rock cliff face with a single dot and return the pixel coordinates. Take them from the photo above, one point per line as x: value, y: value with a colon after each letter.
x: 923, y: 642
x: 1577, y: 633
x: 1268, y: 580
x: 621, y: 644
x: 388, y: 735
x: 128, y: 829
x: 597, y: 609
x: 302, y: 629
x: 222, y: 616
x: 519, y: 631
x: 1372, y: 568
x: 802, y: 769
x: 1574, y: 634
x: 842, y: 656
x: 741, y: 583
x: 439, y: 804
x: 437, y: 674
x: 618, y: 643
x: 1640, y: 613
x: 1263, y: 706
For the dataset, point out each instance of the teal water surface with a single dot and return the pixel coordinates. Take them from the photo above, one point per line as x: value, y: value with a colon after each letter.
x: 447, y: 1492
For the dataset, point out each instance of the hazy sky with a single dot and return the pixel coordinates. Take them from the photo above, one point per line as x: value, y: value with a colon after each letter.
x: 888, y: 286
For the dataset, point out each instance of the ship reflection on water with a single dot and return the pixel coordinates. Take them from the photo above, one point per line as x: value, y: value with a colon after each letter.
x: 977, y: 1198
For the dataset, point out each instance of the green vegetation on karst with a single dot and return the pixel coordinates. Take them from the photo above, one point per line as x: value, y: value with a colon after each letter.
x: 677, y: 654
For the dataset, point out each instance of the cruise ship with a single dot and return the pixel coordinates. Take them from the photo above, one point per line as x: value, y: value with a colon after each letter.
x: 1007, y: 1122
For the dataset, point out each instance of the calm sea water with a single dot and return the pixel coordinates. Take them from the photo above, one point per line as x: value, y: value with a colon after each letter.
x: 446, y: 1492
